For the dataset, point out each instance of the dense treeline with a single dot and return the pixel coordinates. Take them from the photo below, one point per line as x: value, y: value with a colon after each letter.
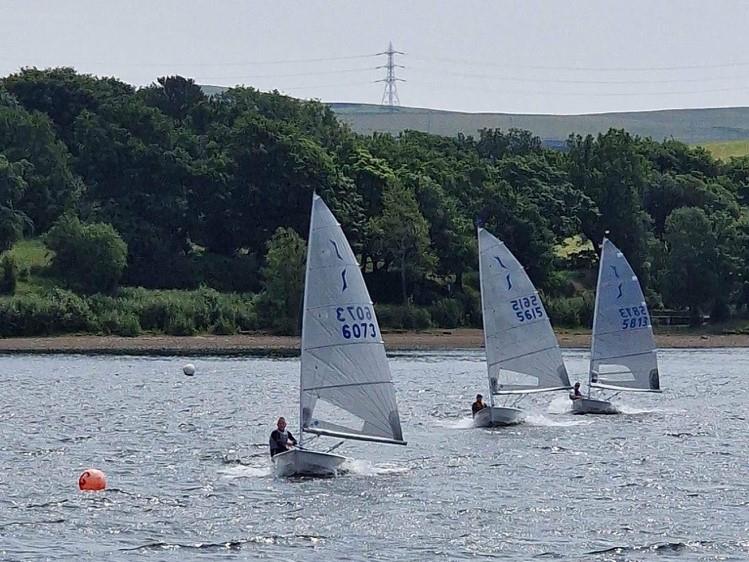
x: 166, y: 188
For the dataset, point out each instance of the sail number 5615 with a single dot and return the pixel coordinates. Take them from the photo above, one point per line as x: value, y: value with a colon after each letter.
x: 527, y: 308
x: 356, y: 322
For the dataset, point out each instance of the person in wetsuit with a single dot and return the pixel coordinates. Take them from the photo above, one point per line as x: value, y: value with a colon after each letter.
x: 576, y: 394
x: 280, y: 438
x: 478, y: 405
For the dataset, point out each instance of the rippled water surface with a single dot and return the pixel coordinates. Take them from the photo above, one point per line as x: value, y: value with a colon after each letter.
x: 189, y: 477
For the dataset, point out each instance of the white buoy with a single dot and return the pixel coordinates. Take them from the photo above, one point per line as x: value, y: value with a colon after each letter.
x: 189, y: 369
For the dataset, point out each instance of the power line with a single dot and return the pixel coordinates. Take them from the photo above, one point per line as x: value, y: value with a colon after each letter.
x: 442, y: 85
x: 289, y: 75
x: 585, y: 68
x: 418, y: 69
x: 212, y: 64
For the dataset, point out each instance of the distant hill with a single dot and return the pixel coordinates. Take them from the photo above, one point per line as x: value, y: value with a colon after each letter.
x: 692, y: 126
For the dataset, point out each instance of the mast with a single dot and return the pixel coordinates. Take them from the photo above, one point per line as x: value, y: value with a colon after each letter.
x: 595, y: 312
x: 483, y: 316
x: 304, y: 308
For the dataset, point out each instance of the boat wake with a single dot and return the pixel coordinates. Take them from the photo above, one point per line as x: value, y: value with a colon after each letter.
x: 459, y: 423
x: 366, y: 468
x: 560, y: 405
x: 542, y: 421
x: 246, y: 471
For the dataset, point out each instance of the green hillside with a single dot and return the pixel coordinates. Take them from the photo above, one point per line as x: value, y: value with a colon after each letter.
x: 728, y: 149
x: 688, y: 125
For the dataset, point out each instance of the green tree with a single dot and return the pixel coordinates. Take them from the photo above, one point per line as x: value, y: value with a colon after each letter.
x: 12, y: 187
x: 90, y: 258
x: 28, y: 142
x: 402, y: 233
x: 693, y: 269
x: 612, y: 172
x: 279, y: 305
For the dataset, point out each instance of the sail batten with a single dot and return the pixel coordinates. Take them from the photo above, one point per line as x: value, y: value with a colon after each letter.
x: 622, y: 354
x: 343, y: 355
x: 522, y: 351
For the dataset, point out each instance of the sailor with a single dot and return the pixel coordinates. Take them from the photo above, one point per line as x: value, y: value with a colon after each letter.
x: 478, y: 405
x: 280, y: 438
x: 576, y: 394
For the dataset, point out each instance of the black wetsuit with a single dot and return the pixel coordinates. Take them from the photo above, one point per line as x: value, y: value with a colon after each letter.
x: 477, y: 406
x: 278, y: 441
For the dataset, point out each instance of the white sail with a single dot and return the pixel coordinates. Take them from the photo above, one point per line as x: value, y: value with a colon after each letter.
x: 622, y: 355
x: 343, y: 355
x: 522, y: 351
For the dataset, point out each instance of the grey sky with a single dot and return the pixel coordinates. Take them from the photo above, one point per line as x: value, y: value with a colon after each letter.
x: 529, y: 56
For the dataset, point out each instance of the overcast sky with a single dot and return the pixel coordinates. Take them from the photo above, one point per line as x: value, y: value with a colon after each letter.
x: 523, y: 56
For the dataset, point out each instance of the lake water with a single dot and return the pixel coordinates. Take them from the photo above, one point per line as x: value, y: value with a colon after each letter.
x: 189, y: 477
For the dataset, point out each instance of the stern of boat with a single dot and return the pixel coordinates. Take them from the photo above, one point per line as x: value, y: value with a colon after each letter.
x: 303, y: 462
x: 593, y: 406
x: 498, y: 417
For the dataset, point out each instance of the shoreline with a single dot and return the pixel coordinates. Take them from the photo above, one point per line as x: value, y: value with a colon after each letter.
x: 288, y: 346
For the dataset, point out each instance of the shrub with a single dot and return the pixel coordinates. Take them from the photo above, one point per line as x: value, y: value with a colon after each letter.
x: 403, y: 317
x: 120, y: 324
x: 224, y: 326
x: 8, y: 275
x: 89, y: 258
x: 447, y: 313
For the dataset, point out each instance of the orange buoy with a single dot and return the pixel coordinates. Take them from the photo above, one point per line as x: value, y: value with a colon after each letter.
x: 92, y: 480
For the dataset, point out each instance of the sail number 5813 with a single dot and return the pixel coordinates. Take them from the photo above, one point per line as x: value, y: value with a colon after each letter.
x: 634, y: 317
x: 356, y: 322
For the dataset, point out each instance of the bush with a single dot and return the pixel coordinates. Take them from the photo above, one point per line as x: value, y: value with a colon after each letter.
x: 8, y: 275
x: 55, y: 312
x: 447, y: 313
x: 89, y: 258
x: 181, y: 324
x: 115, y: 323
x: 571, y: 312
x: 403, y: 317
x: 224, y: 326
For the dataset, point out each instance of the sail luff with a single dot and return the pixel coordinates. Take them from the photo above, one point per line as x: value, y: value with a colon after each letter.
x: 595, y: 316
x: 484, y: 312
x: 304, y: 313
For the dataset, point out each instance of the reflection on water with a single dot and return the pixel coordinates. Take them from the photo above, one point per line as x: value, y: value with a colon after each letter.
x: 186, y: 459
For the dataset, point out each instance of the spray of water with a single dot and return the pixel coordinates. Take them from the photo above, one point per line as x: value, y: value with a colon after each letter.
x: 366, y: 468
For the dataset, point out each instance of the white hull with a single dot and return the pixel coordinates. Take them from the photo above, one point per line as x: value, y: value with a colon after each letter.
x: 303, y: 462
x: 593, y: 406
x: 497, y: 417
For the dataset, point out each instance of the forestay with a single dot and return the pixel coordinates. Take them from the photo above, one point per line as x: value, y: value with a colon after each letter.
x: 522, y: 351
x: 343, y: 355
x: 622, y: 355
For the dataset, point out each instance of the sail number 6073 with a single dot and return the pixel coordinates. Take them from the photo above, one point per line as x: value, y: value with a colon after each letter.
x: 356, y: 322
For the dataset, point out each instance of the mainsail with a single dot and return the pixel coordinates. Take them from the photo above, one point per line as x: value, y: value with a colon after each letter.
x: 522, y: 351
x: 622, y: 354
x: 343, y: 355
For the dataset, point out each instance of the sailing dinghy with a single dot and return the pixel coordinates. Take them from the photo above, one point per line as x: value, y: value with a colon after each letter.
x: 622, y: 354
x: 522, y: 352
x: 343, y: 364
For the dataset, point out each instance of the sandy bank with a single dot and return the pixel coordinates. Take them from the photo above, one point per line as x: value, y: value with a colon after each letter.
x: 260, y: 344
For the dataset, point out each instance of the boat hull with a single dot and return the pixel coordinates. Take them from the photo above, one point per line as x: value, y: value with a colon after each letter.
x: 498, y: 417
x: 303, y: 462
x: 593, y: 406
